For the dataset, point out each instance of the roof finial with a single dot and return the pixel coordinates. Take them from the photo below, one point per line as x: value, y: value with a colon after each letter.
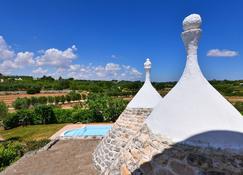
x: 191, y: 36
x: 147, y: 67
x: 192, y: 21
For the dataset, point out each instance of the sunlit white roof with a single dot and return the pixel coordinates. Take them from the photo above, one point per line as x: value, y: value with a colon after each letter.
x: 147, y: 96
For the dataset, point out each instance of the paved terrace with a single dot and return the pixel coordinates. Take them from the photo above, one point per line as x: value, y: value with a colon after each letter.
x: 66, y: 157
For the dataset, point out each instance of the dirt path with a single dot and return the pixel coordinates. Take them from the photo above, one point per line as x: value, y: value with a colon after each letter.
x: 66, y: 157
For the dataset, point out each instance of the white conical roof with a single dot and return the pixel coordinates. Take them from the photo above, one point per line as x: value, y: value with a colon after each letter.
x: 147, y: 96
x: 193, y: 111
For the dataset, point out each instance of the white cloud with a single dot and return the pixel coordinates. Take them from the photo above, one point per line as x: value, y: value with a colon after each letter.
x: 5, y: 51
x: 40, y: 70
x: 56, y: 57
x: 56, y: 63
x: 109, y: 71
x: 24, y: 58
x: 222, y: 53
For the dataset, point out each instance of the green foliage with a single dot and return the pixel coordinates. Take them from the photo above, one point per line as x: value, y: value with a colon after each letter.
x: 57, y: 99
x: 33, y: 90
x: 25, y: 117
x: 35, y: 144
x: 3, y: 111
x: 44, y: 114
x: 68, y: 98
x: 33, y: 101
x: 11, y: 121
x: 42, y: 100
x: 50, y: 99
x: 21, y: 103
x: 10, y: 152
x: 74, y: 96
x: 105, y: 108
x: 63, y: 115
x: 115, y: 107
x: 82, y: 115
x: 62, y: 99
x: 239, y: 106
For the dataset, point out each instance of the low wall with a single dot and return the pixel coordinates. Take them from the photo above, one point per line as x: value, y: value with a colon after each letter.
x: 150, y: 154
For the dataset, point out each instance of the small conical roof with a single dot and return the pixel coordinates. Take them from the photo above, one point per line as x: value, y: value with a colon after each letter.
x: 147, y: 96
x: 193, y: 111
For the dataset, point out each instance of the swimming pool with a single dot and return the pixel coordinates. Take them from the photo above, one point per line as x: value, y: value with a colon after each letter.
x: 89, y: 130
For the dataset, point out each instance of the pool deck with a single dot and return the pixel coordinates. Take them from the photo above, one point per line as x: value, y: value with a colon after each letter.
x: 74, y: 126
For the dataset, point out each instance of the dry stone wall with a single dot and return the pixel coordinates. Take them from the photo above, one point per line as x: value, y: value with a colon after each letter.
x: 150, y: 154
x: 126, y: 126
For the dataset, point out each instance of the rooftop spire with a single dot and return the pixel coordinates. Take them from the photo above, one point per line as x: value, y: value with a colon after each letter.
x: 190, y: 37
x: 147, y: 67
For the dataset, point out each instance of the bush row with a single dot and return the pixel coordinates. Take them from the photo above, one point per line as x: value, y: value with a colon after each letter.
x: 100, y: 109
x: 25, y: 103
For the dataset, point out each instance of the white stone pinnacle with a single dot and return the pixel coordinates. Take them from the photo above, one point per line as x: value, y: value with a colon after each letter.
x: 192, y: 21
x: 147, y: 67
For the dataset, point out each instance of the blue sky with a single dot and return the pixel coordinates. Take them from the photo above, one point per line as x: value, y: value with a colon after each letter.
x: 104, y: 39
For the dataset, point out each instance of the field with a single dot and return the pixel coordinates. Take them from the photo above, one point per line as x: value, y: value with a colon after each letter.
x: 9, y: 99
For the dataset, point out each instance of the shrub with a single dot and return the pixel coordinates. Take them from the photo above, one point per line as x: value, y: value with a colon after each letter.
x: 105, y: 108
x: 33, y: 101
x: 62, y: 99
x: 3, y: 110
x: 57, y: 99
x: 68, y: 98
x: 9, y: 152
x: 114, y: 109
x: 74, y: 95
x: 42, y: 100
x: 50, y: 99
x: 44, y: 114
x: 35, y: 144
x: 83, y: 115
x: 239, y: 106
x: 25, y: 117
x: 33, y: 90
x: 11, y: 121
x: 21, y: 103
x: 63, y: 115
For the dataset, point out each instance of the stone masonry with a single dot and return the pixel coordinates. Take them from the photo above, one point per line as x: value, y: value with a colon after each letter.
x: 150, y: 154
x: 126, y: 126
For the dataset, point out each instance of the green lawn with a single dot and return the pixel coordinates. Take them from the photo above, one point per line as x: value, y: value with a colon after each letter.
x: 32, y: 132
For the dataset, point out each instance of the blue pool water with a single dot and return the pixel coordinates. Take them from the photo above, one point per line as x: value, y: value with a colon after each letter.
x: 92, y: 130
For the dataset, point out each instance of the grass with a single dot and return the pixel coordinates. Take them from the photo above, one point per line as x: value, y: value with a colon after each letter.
x: 32, y: 132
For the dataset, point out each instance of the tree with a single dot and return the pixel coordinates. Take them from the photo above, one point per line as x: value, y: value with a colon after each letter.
x: 45, y: 114
x: 34, y: 90
x: 42, y: 100
x: 57, y: 99
x: 114, y: 108
x: 50, y: 99
x: 21, y: 103
x: 68, y: 98
x: 3, y: 110
x: 62, y: 99
x: 25, y: 117
x: 33, y: 101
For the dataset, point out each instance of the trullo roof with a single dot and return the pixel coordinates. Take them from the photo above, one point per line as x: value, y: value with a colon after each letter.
x: 147, y: 96
x: 193, y: 111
